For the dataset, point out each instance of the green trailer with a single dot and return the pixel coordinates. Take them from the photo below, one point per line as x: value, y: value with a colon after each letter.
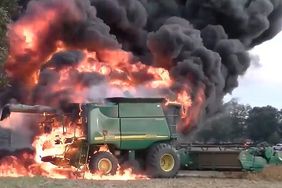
x: 228, y: 157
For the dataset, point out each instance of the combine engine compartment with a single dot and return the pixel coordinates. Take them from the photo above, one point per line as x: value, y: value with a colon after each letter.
x: 68, y: 135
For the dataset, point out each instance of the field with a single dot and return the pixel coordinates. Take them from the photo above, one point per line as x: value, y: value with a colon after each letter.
x: 270, y: 178
x: 39, y: 182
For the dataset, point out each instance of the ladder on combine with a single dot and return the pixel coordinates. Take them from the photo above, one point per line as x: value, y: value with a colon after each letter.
x: 82, y: 163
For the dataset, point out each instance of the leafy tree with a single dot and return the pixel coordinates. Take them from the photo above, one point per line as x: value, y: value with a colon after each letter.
x: 10, y: 6
x: 239, y: 113
x: 4, y: 19
x: 263, y: 124
x: 274, y: 138
x: 230, y: 126
x: 8, y: 9
x: 3, y: 28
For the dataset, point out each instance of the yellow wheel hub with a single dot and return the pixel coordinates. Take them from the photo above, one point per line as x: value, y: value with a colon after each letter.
x: 167, y: 162
x: 105, y: 165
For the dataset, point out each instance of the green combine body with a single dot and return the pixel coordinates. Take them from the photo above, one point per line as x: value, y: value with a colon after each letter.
x: 127, y: 124
x: 137, y: 132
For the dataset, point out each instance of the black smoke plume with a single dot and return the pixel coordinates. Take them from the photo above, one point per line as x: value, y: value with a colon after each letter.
x: 203, y: 43
x: 208, y: 39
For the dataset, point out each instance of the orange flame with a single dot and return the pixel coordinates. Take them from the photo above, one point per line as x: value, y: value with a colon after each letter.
x: 121, y: 74
x: 52, y: 144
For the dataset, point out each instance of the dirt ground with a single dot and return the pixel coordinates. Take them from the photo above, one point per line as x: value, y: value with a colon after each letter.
x: 191, y: 182
x: 270, y: 177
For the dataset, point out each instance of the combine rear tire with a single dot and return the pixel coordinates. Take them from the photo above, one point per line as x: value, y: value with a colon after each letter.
x: 103, y: 162
x: 162, y: 161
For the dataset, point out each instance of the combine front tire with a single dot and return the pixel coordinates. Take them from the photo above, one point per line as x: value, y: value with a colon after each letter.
x: 162, y: 161
x: 103, y: 162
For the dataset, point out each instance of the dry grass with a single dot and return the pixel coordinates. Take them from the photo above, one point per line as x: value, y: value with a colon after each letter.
x: 271, y: 173
x: 191, y: 182
x: 270, y: 177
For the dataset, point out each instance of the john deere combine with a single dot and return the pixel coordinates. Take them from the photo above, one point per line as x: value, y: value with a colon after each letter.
x: 136, y: 132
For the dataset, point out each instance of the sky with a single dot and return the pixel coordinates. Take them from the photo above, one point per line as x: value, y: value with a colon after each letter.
x: 262, y: 83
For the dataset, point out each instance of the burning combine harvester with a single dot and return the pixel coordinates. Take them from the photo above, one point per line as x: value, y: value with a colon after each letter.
x: 66, y: 54
x: 129, y: 133
x: 102, y: 137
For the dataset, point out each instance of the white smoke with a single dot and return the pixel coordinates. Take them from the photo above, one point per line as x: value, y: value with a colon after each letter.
x: 104, y: 90
x: 17, y: 131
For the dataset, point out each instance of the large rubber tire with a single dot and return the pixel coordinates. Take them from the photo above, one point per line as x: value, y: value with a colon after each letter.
x: 95, y: 163
x: 154, y: 161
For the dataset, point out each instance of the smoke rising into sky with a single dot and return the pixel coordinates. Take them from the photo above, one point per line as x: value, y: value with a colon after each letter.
x: 202, y: 43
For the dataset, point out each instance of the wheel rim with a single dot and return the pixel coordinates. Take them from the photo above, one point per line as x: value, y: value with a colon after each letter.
x: 105, y: 166
x: 167, y: 162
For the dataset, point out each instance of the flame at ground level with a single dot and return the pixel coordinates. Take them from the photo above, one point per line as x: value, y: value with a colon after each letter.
x: 28, y: 162
x: 24, y: 165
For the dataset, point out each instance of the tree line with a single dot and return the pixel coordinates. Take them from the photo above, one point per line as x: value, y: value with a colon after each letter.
x: 239, y: 123
x: 9, y: 10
